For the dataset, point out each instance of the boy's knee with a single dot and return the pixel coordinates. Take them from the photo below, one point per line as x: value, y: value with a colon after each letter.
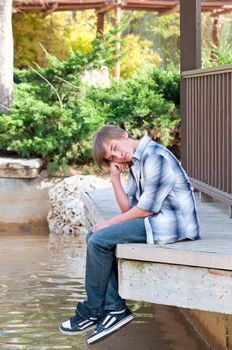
x: 92, y: 241
x: 97, y: 239
x: 89, y: 234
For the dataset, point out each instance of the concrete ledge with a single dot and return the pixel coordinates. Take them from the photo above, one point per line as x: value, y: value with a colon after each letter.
x: 20, y: 168
x: 182, y: 286
x: 24, y: 203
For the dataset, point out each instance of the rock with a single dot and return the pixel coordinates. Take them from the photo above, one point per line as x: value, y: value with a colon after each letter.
x: 66, y: 216
x: 20, y: 168
x: 98, y: 78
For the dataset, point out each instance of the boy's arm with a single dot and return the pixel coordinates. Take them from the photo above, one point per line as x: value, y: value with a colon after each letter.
x: 120, y: 195
x: 133, y: 213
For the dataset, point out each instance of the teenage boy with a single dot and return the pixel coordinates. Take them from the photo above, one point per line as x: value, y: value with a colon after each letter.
x: 158, y: 207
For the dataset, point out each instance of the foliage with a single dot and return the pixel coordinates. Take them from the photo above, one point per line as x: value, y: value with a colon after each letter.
x: 162, y: 31
x: 75, y: 32
x: 55, y: 31
x: 140, y: 104
x: 221, y: 56
x: 213, y: 55
x: 138, y: 56
x: 31, y: 30
x: 81, y: 31
x: 166, y: 31
x: 55, y: 114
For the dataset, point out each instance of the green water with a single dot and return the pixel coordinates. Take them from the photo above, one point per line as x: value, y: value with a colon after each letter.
x: 41, y: 280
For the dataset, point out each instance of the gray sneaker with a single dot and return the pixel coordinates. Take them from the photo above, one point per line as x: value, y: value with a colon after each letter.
x: 109, y: 324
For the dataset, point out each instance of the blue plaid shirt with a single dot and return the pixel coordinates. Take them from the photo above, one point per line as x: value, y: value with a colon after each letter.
x: 159, y: 184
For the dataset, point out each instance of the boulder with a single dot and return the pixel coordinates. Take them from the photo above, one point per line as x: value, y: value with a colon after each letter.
x: 66, y: 216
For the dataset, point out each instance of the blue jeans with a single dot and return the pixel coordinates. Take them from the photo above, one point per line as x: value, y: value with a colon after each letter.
x: 101, y: 278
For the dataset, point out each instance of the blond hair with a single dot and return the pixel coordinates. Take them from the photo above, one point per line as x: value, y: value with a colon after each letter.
x: 107, y: 132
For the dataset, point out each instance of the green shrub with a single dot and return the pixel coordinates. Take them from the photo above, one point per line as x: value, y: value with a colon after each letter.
x: 54, y: 114
x: 138, y: 105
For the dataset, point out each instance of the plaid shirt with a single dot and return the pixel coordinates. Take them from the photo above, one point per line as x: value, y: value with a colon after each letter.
x: 158, y: 183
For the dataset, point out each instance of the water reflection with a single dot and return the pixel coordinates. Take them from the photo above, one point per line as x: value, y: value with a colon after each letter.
x: 41, y: 279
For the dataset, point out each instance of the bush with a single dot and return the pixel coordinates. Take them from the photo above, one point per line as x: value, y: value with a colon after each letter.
x: 137, y: 105
x: 54, y: 114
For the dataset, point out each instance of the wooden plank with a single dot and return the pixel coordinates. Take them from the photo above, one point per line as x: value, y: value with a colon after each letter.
x: 100, y: 203
x: 181, y: 255
x: 226, y: 68
x: 214, y: 220
x: 188, y: 287
x: 214, y: 250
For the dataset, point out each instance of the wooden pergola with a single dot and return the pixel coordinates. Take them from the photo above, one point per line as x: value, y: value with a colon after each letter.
x: 102, y: 6
x: 160, y: 7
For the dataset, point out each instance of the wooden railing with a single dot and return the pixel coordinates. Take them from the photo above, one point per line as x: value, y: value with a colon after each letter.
x: 207, y: 130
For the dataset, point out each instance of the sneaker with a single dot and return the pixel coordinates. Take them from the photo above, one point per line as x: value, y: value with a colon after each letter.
x: 110, y: 323
x: 78, y: 324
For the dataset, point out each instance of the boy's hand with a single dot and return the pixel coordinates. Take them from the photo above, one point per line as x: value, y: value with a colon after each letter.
x: 99, y: 226
x: 117, y: 168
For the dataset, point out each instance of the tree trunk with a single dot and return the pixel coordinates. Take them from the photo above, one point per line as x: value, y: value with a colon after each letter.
x: 6, y: 55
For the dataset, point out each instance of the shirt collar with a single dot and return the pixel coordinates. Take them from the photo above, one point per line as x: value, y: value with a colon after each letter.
x: 140, y: 149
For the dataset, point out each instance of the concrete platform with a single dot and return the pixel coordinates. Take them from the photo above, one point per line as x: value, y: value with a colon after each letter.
x: 192, y: 274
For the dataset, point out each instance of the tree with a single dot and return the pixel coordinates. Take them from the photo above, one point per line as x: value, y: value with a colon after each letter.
x: 70, y: 30
x: 162, y: 31
x: 6, y: 55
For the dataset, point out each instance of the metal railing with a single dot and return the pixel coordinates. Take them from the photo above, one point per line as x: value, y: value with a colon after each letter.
x: 207, y: 130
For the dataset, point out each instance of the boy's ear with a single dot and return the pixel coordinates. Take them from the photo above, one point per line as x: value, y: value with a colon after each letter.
x: 125, y: 135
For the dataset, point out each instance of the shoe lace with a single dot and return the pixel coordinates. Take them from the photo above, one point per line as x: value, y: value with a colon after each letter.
x: 75, y: 319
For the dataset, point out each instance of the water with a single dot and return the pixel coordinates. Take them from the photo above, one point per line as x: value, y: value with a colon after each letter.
x: 41, y: 279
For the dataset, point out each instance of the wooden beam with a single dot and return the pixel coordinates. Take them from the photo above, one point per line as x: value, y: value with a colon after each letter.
x: 170, y: 11
x: 107, y: 8
x: 105, y: 5
x: 190, y: 34
x: 221, y: 12
x: 100, y: 23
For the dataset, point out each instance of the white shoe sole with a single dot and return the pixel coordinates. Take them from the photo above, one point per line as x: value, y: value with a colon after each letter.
x: 110, y: 330
x: 77, y: 332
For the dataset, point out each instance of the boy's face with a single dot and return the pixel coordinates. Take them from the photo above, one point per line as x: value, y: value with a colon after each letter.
x: 119, y: 150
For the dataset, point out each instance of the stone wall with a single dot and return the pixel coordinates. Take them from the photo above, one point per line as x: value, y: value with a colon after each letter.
x: 24, y: 203
x: 28, y: 195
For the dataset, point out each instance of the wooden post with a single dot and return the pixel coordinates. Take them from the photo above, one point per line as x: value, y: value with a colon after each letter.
x: 118, y: 11
x: 100, y: 22
x: 190, y: 58
x: 190, y: 34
